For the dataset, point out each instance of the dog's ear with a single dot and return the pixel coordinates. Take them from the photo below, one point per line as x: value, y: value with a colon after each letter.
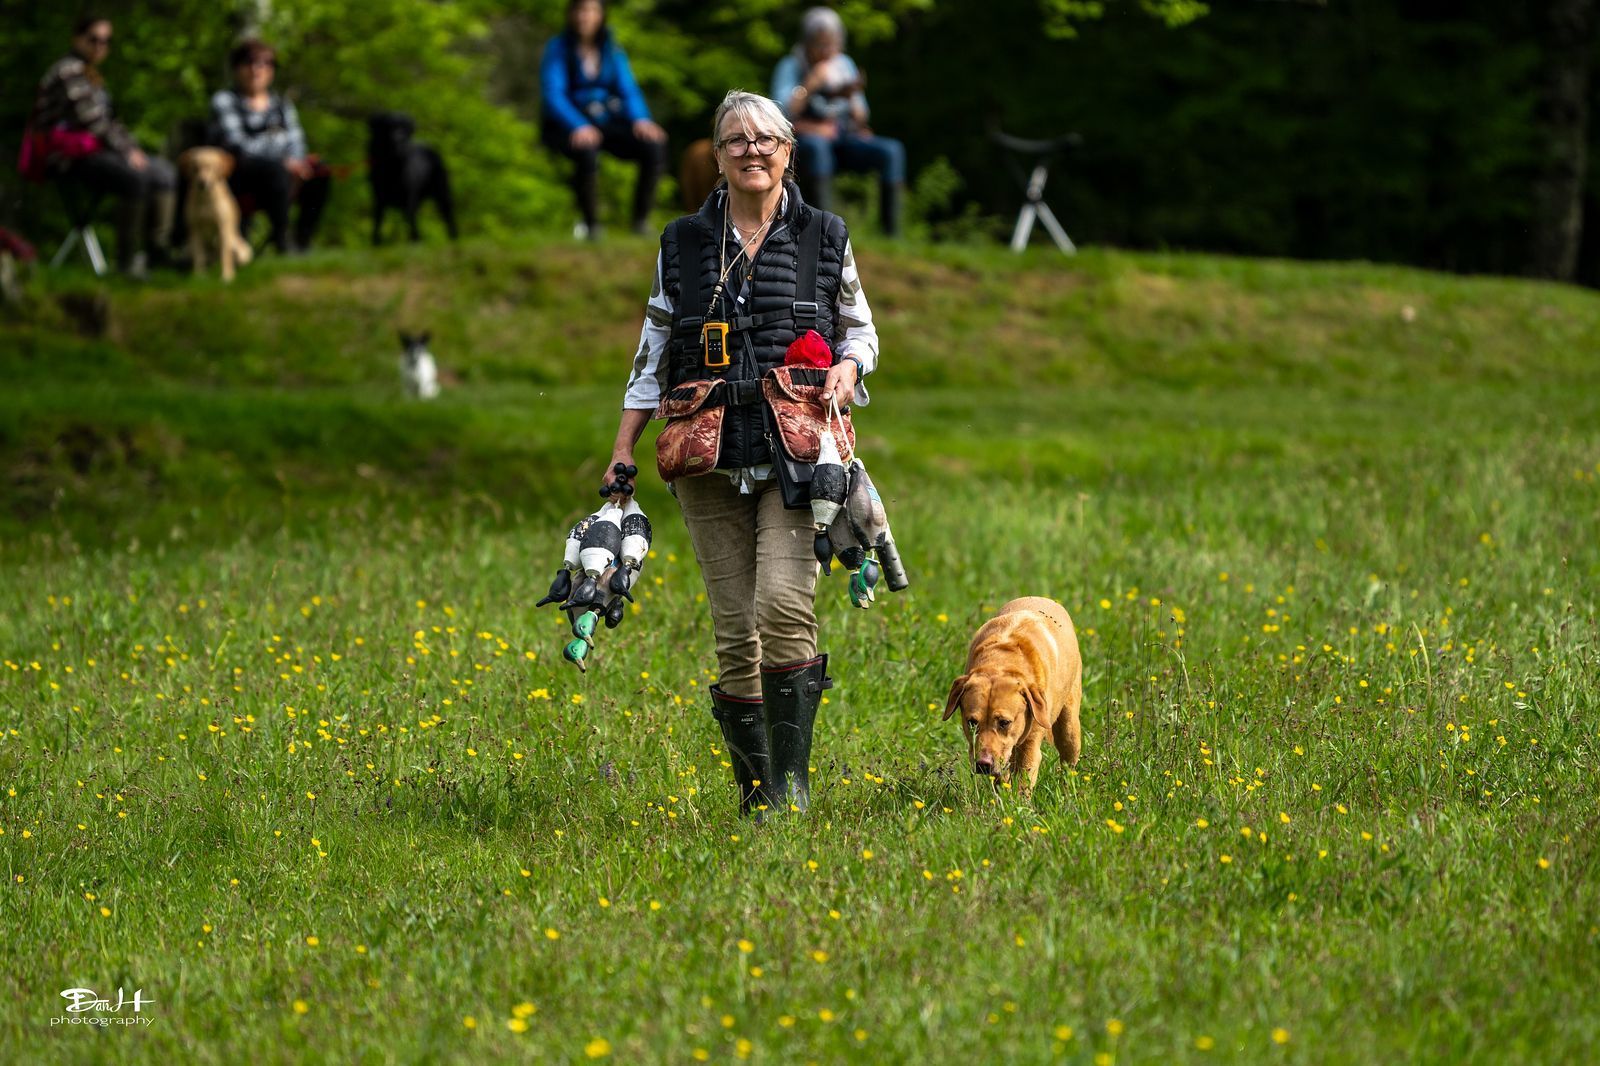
x: 225, y: 164
x: 424, y: 337
x: 186, y: 162
x: 405, y: 339
x: 1033, y: 699
x: 957, y: 687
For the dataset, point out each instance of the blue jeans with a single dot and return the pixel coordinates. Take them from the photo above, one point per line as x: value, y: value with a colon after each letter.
x: 818, y: 158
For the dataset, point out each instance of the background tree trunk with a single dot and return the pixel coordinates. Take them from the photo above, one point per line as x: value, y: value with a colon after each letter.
x: 1563, y: 115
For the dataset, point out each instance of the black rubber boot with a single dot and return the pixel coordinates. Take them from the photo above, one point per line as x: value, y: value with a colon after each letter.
x: 792, y: 694
x: 891, y: 201
x: 745, y: 735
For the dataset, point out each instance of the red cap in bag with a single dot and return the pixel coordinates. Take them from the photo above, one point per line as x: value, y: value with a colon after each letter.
x: 809, y: 349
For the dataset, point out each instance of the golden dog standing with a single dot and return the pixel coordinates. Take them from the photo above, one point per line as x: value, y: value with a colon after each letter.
x: 735, y: 285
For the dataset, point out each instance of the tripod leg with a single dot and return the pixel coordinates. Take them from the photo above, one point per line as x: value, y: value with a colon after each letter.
x: 1062, y: 240
x: 1019, y: 236
x: 91, y: 244
x: 65, y: 249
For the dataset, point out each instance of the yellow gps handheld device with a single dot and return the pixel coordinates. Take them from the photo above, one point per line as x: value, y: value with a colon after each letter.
x: 714, y: 335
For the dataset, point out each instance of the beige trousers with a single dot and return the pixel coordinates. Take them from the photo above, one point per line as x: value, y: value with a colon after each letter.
x: 760, y: 575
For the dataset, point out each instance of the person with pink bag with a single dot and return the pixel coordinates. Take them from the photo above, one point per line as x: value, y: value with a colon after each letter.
x: 73, y: 135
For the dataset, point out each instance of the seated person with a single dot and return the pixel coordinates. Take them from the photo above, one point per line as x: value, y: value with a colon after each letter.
x: 820, y: 89
x: 73, y: 133
x: 592, y: 102
x: 263, y: 132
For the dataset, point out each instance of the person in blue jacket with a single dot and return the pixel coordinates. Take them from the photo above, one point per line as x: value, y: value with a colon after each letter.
x: 591, y: 102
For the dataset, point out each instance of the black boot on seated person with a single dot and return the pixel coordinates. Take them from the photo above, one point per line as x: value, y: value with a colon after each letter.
x: 792, y: 694
x: 745, y: 736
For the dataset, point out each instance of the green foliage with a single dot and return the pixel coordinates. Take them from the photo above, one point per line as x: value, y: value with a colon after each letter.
x: 1246, y: 131
x: 423, y: 58
x: 1063, y: 17
x: 1238, y: 128
x: 467, y: 72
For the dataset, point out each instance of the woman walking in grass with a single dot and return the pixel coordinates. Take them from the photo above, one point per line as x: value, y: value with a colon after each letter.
x: 757, y: 258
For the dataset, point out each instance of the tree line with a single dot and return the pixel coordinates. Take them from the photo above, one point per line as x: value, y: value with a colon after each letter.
x: 1446, y: 133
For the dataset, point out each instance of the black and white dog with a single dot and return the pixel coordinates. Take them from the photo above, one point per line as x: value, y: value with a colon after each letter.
x: 404, y: 174
x: 417, y: 367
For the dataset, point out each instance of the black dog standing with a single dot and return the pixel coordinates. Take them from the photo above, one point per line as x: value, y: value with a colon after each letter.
x: 404, y: 174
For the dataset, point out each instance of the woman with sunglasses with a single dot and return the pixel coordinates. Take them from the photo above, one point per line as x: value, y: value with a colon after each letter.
x: 744, y: 260
x: 75, y: 130
x: 262, y: 131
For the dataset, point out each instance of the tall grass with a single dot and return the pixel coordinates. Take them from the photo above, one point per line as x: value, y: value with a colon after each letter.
x: 284, y: 744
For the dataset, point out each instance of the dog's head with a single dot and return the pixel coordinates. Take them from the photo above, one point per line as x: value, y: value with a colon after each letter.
x: 414, y: 346
x: 997, y: 710
x: 205, y: 166
x: 390, y: 132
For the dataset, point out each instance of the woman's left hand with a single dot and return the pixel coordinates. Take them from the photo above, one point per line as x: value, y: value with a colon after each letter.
x: 840, y: 384
x: 646, y: 130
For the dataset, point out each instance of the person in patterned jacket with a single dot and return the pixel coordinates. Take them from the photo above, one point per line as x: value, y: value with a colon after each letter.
x: 262, y: 131
x: 77, y: 131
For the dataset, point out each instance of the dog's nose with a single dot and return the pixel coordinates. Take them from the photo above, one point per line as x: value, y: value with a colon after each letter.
x: 984, y: 765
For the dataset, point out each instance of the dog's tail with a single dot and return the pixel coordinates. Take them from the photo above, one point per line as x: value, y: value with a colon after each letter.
x: 242, y: 252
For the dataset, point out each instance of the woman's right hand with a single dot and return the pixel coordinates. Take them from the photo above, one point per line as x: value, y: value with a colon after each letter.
x: 613, y: 481
x: 585, y: 137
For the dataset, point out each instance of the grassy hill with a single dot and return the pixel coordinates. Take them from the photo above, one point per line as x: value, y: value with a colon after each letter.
x: 284, y: 743
x: 128, y: 405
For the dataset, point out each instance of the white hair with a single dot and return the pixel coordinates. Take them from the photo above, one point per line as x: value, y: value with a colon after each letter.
x: 819, y: 20
x: 757, y: 114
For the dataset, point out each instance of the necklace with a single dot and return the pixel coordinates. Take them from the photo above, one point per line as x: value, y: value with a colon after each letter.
x: 744, y: 249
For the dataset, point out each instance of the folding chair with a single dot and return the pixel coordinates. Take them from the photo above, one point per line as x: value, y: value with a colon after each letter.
x: 80, y: 204
x: 1041, y: 154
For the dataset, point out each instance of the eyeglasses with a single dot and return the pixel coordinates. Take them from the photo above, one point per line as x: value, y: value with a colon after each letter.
x: 766, y: 144
x: 270, y: 64
x: 99, y: 39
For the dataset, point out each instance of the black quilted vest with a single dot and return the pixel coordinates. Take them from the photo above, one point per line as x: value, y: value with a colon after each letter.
x: 772, y: 315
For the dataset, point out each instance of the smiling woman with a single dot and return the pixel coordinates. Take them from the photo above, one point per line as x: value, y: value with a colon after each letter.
x: 736, y: 284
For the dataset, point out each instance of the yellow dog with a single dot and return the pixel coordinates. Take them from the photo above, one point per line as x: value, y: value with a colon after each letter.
x: 1024, y: 681
x: 211, y: 211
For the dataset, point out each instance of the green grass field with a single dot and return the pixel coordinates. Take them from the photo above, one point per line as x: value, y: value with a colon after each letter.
x: 284, y: 744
